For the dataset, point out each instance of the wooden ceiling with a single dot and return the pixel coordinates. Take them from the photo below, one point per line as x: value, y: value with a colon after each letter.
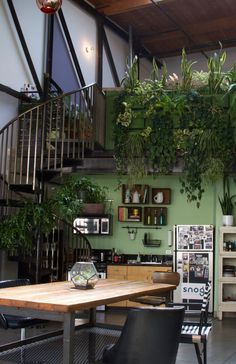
x: 164, y: 27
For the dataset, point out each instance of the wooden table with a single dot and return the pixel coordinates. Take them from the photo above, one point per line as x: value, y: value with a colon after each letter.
x: 58, y: 301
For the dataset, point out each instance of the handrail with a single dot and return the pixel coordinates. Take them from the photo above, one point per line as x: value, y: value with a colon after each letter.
x: 46, y: 135
x: 47, y: 102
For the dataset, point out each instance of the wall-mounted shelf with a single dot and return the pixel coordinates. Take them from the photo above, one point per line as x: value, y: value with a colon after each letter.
x: 129, y: 213
x: 135, y: 194
x: 152, y: 243
x: 141, y: 227
x: 155, y: 216
x: 161, y: 196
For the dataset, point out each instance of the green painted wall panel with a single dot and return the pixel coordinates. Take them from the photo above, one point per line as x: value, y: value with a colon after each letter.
x: 179, y: 212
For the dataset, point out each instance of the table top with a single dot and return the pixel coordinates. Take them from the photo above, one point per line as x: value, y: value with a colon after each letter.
x: 64, y: 297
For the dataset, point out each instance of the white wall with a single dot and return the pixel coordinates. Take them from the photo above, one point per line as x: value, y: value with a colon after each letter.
x: 120, y: 52
x: 82, y: 28
x: 14, y: 70
x: 173, y: 63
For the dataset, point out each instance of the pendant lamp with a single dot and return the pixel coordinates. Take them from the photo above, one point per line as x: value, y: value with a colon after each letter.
x: 49, y: 6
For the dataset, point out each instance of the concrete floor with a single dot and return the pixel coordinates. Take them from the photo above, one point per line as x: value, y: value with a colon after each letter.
x: 221, y: 344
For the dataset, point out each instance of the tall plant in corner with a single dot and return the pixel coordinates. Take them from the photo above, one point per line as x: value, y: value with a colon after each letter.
x: 226, y: 202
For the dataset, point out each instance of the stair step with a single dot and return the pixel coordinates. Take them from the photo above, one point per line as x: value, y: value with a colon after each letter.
x: 47, y: 175
x: 27, y: 188
x: 98, y: 164
x: 11, y: 203
x: 71, y: 162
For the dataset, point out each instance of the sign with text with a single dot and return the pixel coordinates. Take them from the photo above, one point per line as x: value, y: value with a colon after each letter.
x: 192, y: 291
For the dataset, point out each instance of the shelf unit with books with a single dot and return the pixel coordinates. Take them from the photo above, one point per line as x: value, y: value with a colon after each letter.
x: 129, y: 214
x: 227, y: 271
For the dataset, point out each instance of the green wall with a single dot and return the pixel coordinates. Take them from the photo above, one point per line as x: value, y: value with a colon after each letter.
x: 179, y: 212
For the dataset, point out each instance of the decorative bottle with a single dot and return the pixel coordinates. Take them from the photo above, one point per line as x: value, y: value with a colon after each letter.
x: 161, y: 217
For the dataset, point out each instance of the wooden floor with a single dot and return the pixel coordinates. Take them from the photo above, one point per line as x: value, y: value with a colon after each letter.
x: 221, y: 345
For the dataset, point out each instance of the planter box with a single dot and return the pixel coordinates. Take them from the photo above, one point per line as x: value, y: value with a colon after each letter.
x: 93, y: 209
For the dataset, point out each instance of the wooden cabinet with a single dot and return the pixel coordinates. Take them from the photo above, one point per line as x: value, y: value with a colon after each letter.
x: 135, y: 273
x: 227, y: 271
x: 117, y: 272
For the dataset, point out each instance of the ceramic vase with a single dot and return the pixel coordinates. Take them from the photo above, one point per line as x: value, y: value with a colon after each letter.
x: 228, y: 220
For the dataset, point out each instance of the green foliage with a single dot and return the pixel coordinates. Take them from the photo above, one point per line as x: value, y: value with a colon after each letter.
x: 216, y: 75
x: 226, y: 201
x: 20, y: 230
x: 76, y: 191
x: 186, y: 71
x: 188, y: 118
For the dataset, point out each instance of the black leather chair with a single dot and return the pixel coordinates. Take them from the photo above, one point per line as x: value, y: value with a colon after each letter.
x: 148, y: 336
x: 160, y: 277
x: 196, y: 331
x: 17, y: 322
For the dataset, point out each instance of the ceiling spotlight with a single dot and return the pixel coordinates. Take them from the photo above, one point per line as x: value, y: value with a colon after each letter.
x: 49, y: 6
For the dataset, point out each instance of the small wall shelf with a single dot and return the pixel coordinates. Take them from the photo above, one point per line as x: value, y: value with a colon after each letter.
x: 129, y: 213
x: 161, y: 194
x: 155, y: 216
x: 135, y: 194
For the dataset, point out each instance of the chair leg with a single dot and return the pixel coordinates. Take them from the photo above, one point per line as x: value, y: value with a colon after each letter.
x: 199, y: 359
x: 205, y: 352
x: 22, y: 354
x: 22, y: 334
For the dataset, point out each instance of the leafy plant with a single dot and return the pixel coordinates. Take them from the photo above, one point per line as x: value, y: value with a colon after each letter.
x: 19, y: 230
x: 226, y: 201
x: 216, y: 74
x: 76, y: 191
x: 188, y: 119
x: 186, y: 71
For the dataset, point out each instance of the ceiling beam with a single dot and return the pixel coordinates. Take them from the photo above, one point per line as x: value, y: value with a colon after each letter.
x: 142, y: 51
x: 120, y: 6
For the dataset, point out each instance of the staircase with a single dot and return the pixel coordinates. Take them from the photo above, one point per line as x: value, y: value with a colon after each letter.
x: 44, y: 142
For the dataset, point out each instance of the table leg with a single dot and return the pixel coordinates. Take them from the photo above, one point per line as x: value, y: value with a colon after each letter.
x: 92, y: 316
x: 68, y: 338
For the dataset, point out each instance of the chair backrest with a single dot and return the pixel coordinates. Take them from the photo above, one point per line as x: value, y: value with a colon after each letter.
x: 166, y: 277
x: 148, y: 336
x: 11, y: 283
x: 205, y: 304
x: 14, y: 282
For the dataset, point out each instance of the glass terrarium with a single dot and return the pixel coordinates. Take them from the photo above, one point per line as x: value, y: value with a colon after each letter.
x: 84, y: 275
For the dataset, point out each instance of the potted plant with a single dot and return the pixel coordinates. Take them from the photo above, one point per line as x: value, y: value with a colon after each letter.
x: 226, y: 203
x: 79, y: 195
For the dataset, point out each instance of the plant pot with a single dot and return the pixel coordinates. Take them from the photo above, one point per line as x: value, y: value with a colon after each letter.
x: 228, y: 220
x: 93, y: 209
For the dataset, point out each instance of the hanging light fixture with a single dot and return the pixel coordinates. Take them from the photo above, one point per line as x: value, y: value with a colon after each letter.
x: 49, y: 6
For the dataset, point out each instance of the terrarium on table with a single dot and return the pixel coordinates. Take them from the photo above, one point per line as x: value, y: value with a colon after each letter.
x: 84, y: 275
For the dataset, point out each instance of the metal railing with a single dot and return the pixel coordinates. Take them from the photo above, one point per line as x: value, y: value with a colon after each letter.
x: 54, y: 254
x: 50, y: 133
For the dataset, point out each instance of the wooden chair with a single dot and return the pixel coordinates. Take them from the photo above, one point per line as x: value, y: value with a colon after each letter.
x: 148, y: 336
x: 196, y: 332
x: 160, y: 277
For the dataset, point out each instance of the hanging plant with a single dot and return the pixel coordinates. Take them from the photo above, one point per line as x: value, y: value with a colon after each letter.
x: 188, y: 117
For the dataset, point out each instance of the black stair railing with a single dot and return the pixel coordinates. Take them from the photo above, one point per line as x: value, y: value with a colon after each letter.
x: 53, y: 254
x: 45, y: 137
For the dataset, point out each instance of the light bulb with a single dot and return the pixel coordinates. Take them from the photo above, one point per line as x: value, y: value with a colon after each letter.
x: 49, y: 6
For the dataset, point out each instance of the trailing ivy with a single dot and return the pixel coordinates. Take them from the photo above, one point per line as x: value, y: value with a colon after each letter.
x: 190, y: 118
